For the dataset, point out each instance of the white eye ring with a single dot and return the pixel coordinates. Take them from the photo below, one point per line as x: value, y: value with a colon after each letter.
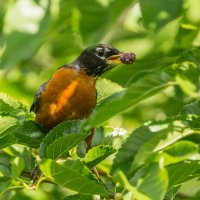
x: 100, y: 52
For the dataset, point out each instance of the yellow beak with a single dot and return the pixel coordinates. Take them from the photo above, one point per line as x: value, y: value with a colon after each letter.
x: 114, y: 60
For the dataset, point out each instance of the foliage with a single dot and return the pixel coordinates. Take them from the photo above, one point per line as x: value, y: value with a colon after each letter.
x: 147, y: 119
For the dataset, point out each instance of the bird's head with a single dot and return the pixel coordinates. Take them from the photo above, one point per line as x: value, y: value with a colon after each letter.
x: 98, y: 59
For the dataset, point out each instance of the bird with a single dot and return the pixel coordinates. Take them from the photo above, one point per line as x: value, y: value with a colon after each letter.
x: 70, y: 93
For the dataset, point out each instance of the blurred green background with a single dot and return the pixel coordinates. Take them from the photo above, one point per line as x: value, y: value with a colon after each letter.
x: 38, y: 36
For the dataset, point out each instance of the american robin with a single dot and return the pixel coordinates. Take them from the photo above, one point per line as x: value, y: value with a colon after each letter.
x: 70, y: 93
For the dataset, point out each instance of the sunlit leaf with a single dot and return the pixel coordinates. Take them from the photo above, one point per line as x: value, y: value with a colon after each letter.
x: 181, y: 172
x: 152, y: 181
x: 97, y: 154
x: 180, y: 151
x: 72, y: 174
x: 17, y: 166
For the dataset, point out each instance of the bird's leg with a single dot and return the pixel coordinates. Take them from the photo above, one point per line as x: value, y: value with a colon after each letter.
x: 89, y: 139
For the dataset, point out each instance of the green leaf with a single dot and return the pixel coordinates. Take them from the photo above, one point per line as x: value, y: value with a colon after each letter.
x: 163, y: 135
x: 6, y: 122
x: 187, y: 85
x: 17, y: 166
x: 29, y: 134
x: 106, y: 88
x: 72, y: 174
x: 147, y: 140
x: 4, y: 171
x: 11, y: 107
x: 152, y: 180
x: 122, y: 179
x: 157, y: 14
x: 62, y: 129
x: 4, y: 183
x: 7, y: 125
x: 135, y: 93
x: 5, y: 108
x: 29, y: 42
x: 180, y: 151
x: 61, y: 146
x: 78, y: 197
x: 97, y: 154
x: 129, y: 149
x: 181, y: 172
x: 192, y: 108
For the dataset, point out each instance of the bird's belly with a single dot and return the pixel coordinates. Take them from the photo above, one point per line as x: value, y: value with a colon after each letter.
x: 66, y: 99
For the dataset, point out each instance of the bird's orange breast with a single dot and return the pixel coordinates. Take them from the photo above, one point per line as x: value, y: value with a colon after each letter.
x: 70, y: 94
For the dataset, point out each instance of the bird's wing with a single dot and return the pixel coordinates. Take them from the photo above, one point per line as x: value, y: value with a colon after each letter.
x: 35, y: 105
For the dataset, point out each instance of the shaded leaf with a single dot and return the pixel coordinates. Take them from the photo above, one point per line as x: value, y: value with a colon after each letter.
x: 64, y: 128
x: 97, y: 154
x: 72, y: 174
x: 157, y: 14
x: 29, y: 134
x: 61, y: 146
x: 4, y: 183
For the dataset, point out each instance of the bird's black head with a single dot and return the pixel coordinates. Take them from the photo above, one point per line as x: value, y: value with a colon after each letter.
x: 98, y: 59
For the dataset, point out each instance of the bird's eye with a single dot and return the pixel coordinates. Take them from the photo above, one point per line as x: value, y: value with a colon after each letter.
x: 100, y: 52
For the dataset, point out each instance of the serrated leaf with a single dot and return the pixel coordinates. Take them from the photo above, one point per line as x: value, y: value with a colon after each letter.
x: 192, y: 108
x: 151, y: 180
x: 17, y: 166
x: 7, y: 126
x: 64, y: 128
x: 5, y: 108
x: 11, y: 107
x: 97, y: 154
x: 7, y: 140
x: 29, y: 134
x: 146, y: 140
x: 163, y: 134
x: 59, y: 147
x: 72, y: 174
x: 119, y: 102
x: 129, y: 149
x: 106, y: 88
x: 181, y: 172
x: 6, y: 122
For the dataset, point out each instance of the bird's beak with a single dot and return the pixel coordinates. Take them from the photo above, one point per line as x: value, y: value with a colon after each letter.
x: 121, y: 58
x: 114, y: 59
